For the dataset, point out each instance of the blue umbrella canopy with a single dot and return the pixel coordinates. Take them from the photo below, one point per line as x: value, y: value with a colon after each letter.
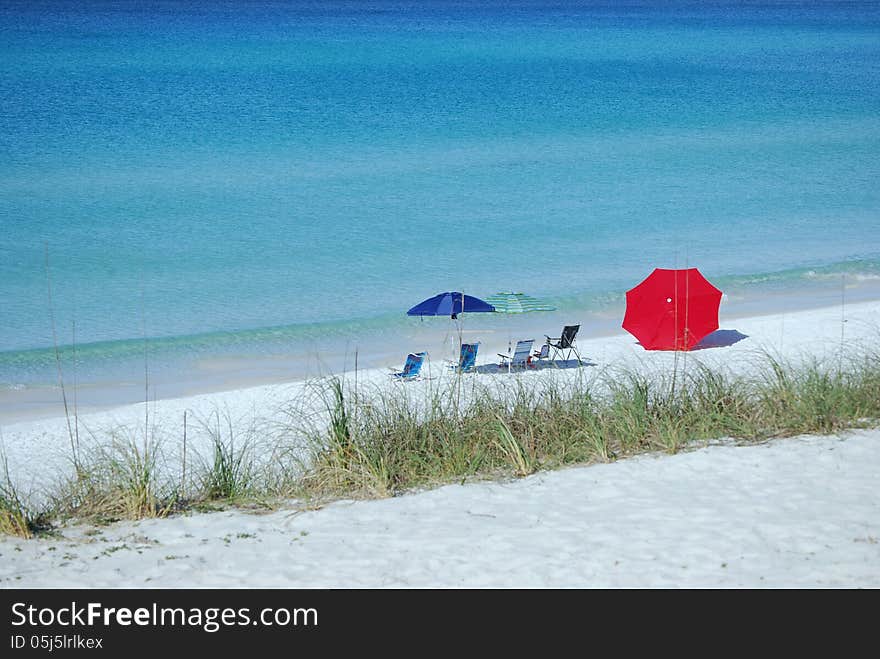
x: 450, y: 304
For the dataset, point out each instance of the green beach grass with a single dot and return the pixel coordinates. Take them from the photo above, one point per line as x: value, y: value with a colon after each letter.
x: 400, y: 439
x: 17, y: 518
x: 391, y: 446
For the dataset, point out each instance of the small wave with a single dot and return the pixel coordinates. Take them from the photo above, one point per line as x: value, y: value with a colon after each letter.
x: 863, y: 270
x: 853, y: 276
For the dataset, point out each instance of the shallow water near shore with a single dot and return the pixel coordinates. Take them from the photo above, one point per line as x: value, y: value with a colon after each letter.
x: 184, y: 375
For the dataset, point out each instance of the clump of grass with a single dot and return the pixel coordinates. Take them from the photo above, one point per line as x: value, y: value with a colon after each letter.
x: 521, y: 459
x: 16, y: 516
x: 120, y: 480
x: 348, y: 464
x: 230, y: 473
x: 817, y: 398
x: 393, y: 443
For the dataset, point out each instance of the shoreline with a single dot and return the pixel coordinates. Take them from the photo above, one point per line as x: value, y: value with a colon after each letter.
x: 225, y: 374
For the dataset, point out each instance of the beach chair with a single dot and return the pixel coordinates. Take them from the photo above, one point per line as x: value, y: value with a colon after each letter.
x: 467, y: 360
x: 520, y: 357
x: 542, y: 354
x: 411, y: 368
x: 565, y: 342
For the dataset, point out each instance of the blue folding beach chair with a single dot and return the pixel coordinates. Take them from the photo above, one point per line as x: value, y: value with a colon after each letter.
x: 467, y: 360
x: 520, y: 358
x: 411, y: 368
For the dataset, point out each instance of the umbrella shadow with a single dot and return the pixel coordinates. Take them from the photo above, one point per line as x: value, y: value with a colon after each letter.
x: 720, y: 339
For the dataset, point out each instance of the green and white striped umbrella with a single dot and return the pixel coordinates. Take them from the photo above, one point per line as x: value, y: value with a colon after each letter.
x: 506, y: 302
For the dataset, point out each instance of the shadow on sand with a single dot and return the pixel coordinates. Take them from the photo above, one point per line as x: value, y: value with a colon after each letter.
x: 720, y: 339
x: 494, y: 369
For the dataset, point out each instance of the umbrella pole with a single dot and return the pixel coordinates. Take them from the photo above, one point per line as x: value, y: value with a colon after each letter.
x: 687, y: 329
x: 676, y: 345
x: 459, y: 320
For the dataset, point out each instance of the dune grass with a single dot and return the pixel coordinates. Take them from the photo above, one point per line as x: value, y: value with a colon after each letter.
x: 117, y: 477
x: 229, y: 474
x: 17, y: 517
x: 391, y: 445
x: 380, y: 443
x: 129, y: 475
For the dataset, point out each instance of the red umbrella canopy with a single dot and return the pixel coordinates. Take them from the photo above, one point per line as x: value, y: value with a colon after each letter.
x: 672, y: 309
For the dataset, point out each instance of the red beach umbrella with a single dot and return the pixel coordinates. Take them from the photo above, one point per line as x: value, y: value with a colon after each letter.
x: 672, y: 309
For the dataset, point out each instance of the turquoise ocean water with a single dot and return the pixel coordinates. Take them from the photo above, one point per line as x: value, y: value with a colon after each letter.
x: 230, y: 178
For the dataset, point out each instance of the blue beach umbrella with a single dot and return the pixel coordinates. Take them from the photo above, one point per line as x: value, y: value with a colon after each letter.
x: 450, y: 304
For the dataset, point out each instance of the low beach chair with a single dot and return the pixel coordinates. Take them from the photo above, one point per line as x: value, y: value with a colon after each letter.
x: 467, y: 360
x: 542, y: 354
x: 520, y: 357
x: 565, y: 342
x: 411, y: 368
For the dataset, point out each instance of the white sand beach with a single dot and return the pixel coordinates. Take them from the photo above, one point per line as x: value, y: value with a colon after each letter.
x: 801, y: 512
x: 792, y: 512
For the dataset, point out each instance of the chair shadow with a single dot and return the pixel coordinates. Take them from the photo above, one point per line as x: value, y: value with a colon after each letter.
x: 720, y: 339
x: 494, y: 369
